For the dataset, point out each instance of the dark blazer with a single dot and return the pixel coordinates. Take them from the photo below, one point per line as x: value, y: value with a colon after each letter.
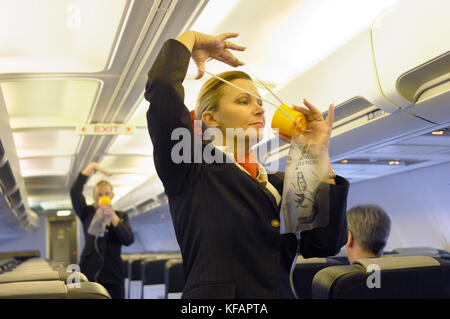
x: 106, y: 266
x: 222, y: 216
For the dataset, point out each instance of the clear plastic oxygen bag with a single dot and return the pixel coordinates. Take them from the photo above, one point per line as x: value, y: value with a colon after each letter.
x: 98, y: 224
x: 305, y: 200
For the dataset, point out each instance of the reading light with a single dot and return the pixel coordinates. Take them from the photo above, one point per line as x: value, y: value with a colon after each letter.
x: 437, y: 132
x: 344, y: 161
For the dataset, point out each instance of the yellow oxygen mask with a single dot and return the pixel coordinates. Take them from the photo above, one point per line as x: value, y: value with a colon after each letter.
x: 104, y: 200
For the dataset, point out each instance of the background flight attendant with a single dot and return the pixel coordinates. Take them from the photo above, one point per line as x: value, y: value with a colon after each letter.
x: 100, y: 260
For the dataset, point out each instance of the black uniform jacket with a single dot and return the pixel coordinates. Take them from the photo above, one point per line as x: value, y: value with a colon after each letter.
x: 105, y: 266
x: 224, y: 218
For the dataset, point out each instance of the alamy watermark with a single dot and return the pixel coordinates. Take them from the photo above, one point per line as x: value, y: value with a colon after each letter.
x: 374, y: 280
x: 73, y: 20
x: 190, y: 148
x: 74, y: 279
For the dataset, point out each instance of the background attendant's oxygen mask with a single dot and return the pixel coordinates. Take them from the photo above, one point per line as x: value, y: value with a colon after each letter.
x: 99, y: 222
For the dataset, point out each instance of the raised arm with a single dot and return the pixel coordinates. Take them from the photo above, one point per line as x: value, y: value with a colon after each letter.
x: 76, y: 191
x: 168, y: 119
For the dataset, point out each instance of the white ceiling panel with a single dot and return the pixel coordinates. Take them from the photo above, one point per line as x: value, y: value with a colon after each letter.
x: 56, y: 35
x: 117, y: 180
x: 137, y: 144
x: 49, y: 103
x: 289, y: 39
x: 45, y: 166
x: 50, y: 201
x: 139, y: 118
x: 35, y: 143
x: 142, y: 165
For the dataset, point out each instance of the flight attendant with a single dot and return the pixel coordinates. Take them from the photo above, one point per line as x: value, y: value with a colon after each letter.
x: 100, y: 260
x: 226, y: 213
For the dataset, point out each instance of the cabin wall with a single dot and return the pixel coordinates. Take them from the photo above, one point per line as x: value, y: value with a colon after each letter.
x: 418, y: 203
x: 27, y: 240
x: 152, y: 233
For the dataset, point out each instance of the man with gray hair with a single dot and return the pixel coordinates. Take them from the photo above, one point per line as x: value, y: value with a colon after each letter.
x: 368, y: 232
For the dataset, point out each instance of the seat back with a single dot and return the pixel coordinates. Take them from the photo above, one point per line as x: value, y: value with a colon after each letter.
x: 305, y: 270
x: 174, y: 278
x: 134, y: 276
x: 53, y: 289
x: 387, y: 277
x: 152, y: 277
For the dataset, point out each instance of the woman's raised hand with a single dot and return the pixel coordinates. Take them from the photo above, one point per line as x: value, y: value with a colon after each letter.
x: 204, y: 47
x: 94, y: 167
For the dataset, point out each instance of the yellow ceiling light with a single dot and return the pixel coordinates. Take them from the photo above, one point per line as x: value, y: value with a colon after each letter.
x: 57, y: 35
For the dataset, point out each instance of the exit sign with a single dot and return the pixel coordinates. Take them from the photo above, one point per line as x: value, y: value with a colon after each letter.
x: 106, y: 129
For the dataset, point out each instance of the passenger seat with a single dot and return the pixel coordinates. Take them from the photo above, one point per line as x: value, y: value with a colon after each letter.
x: 399, y: 277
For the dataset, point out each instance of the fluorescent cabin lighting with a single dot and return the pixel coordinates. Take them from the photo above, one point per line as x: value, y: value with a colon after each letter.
x: 45, y: 166
x: 57, y: 35
x: 63, y: 213
x: 35, y: 143
x: 61, y: 102
x: 137, y: 144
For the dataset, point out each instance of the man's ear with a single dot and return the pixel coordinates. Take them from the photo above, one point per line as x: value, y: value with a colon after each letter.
x: 209, y: 119
x: 350, y: 240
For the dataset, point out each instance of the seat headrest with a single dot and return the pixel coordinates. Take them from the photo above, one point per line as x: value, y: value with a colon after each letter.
x: 398, y: 262
x: 313, y: 260
x: 416, y: 251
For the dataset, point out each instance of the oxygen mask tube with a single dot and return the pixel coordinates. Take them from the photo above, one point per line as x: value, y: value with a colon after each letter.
x: 252, y: 94
x: 291, y: 273
x: 104, y: 200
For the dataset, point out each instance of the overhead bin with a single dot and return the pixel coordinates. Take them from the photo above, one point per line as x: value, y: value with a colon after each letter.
x: 20, y: 211
x: 32, y: 221
x: 139, y: 196
x: 2, y: 155
x: 346, y: 76
x: 15, y: 199
x: 411, y: 48
x: 7, y: 180
x: 363, y: 116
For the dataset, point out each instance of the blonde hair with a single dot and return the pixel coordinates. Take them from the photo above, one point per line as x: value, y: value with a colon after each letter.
x: 211, y: 91
x: 101, y: 184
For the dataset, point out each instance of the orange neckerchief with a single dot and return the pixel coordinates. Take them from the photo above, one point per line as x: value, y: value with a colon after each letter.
x: 248, y: 162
